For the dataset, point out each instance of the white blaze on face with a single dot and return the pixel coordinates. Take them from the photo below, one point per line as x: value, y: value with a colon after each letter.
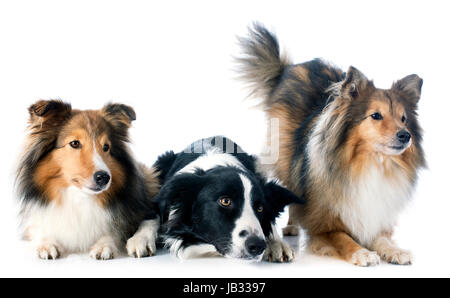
x: 212, y: 159
x: 246, y: 222
x: 99, y: 165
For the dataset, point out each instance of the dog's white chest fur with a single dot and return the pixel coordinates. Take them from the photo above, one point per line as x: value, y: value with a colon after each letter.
x: 372, y: 204
x: 75, y: 224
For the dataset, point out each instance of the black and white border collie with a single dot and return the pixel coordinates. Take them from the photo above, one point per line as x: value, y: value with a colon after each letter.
x: 215, y: 202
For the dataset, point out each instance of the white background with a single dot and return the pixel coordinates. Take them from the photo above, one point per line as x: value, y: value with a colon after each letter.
x: 172, y: 61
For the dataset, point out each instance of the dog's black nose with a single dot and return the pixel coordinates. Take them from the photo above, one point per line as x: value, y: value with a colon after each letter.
x: 403, y: 136
x: 101, y: 178
x: 255, y: 245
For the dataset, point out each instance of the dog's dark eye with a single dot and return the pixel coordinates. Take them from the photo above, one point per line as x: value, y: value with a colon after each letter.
x: 260, y: 208
x: 376, y: 116
x: 403, y: 119
x: 75, y: 144
x: 106, y: 148
x: 225, y: 201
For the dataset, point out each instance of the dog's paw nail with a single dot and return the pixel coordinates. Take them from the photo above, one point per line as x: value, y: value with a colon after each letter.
x: 365, y: 258
x: 278, y: 251
x: 100, y: 252
x: 397, y: 256
x: 140, y: 247
x: 48, y: 252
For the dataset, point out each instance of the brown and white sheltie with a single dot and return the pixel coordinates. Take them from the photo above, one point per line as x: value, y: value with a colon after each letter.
x: 350, y: 149
x: 80, y: 188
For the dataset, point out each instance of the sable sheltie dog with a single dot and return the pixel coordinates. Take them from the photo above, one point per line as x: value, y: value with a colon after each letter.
x: 350, y: 149
x: 215, y: 201
x: 79, y: 186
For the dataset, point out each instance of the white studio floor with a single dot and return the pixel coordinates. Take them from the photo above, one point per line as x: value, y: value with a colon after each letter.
x: 21, y: 261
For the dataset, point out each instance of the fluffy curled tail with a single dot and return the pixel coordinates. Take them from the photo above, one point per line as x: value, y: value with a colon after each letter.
x: 261, y: 64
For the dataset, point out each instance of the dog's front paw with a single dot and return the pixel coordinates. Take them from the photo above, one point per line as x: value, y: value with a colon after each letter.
x: 278, y: 251
x: 48, y: 251
x: 101, y: 252
x: 140, y: 247
x: 364, y: 258
x: 397, y: 256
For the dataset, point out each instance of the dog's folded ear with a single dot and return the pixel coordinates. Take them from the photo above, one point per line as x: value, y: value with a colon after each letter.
x: 46, y: 118
x: 119, y: 115
x: 410, y: 86
x: 178, y: 192
x: 279, y: 197
x: 354, y: 84
x: 46, y: 114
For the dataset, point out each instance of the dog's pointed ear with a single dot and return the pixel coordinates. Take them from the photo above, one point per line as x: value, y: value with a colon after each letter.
x: 279, y: 197
x: 47, y: 114
x: 119, y: 115
x: 178, y: 191
x: 354, y: 84
x: 410, y: 87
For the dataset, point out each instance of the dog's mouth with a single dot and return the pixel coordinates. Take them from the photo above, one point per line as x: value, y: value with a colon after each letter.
x: 399, y: 148
x: 393, y: 148
x: 94, y: 189
x: 244, y: 256
x: 89, y: 186
x: 252, y: 258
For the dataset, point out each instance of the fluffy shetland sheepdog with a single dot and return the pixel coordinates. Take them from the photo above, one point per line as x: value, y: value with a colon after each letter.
x: 214, y: 201
x: 79, y: 186
x: 350, y: 149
